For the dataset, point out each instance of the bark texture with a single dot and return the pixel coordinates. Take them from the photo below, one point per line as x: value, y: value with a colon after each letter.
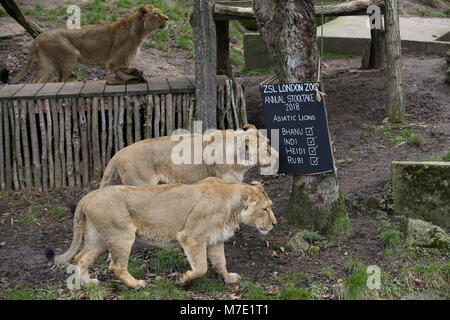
x: 288, y: 28
x: 395, y: 107
x: 205, y: 63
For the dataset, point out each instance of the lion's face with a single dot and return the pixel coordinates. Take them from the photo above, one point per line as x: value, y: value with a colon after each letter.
x: 258, y: 212
x: 153, y: 18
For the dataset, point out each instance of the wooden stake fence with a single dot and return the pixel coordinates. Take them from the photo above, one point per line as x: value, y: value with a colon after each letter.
x: 63, y: 134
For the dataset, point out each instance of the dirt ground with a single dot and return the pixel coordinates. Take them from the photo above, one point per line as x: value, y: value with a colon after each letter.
x: 356, y: 112
x: 364, y: 145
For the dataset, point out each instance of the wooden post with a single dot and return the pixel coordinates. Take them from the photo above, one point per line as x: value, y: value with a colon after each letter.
x: 13, y: 10
x: 205, y: 63
x: 223, y: 47
x: 395, y: 107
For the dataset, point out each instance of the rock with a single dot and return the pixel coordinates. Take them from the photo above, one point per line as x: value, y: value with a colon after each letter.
x: 374, y: 203
x: 421, y: 190
x: 424, y: 234
x: 297, y: 243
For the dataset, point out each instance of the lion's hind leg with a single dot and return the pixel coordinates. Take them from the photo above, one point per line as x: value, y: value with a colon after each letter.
x: 46, y: 70
x: 120, y: 248
x: 94, y: 246
x: 196, y: 254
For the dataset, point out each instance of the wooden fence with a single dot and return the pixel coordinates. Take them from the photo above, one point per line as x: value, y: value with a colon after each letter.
x: 63, y: 134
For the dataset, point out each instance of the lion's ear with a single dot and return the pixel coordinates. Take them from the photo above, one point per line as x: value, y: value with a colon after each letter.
x: 144, y: 11
x: 249, y: 126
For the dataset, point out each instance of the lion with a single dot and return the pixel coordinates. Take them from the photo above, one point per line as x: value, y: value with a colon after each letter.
x: 114, y: 46
x: 198, y: 217
x: 149, y: 161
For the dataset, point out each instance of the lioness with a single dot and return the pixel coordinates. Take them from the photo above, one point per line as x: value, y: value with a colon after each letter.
x: 113, y: 45
x: 149, y: 161
x: 199, y: 217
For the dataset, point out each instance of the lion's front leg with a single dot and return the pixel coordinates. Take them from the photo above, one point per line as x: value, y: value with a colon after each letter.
x: 196, y: 254
x: 216, y: 255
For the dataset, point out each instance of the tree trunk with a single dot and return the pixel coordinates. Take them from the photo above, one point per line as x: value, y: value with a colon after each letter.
x: 395, y: 107
x: 205, y: 63
x: 288, y: 28
x: 13, y: 10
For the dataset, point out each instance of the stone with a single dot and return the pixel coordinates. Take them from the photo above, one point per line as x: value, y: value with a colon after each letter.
x: 374, y: 203
x: 424, y: 234
x: 297, y: 243
x: 421, y: 190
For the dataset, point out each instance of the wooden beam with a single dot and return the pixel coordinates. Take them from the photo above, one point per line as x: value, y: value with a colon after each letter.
x: 227, y: 12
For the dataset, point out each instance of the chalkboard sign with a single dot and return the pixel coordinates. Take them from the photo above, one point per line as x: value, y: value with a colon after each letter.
x: 304, y: 141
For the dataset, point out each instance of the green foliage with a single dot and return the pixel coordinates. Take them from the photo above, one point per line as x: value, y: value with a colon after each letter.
x: 31, y: 215
x: 355, y: 286
x: 204, y: 284
x: 293, y: 293
x: 433, y: 276
x: 79, y: 74
x: 96, y: 292
x: 136, y: 267
x: 160, y: 290
x: 292, y: 279
x: 168, y: 260
x: 22, y: 292
x: 388, y: 196
x: 327, y: 272
x: 57, y: 212
x: 342, y: 228
x: 313, y: 236
x: 391, y: 239
x: 253, y: 291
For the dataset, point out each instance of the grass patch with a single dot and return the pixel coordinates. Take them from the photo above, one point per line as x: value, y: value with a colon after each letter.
x: 78, y: 74
x: 355, y: 286
x: 253, y: 291
x: 165, y: 290
x: 292, y: 279
x: 57, y: 212
x: 136, y: 267
x: 332, y: 55
x: 292, y: 293
x: 445, y: 157
x: 96, y: 292
x: 327, y: 272
x: 204, y: 284
x: 167, y: 260
x: 313, y: 236
x: 391, y: 239
x: 342, y: 228
x: 419, y: 277
x: 22, y: 292
x: 32, y: 213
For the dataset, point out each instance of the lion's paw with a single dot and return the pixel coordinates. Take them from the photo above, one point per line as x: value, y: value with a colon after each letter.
x: 141, y: 284
x: 232, y: 277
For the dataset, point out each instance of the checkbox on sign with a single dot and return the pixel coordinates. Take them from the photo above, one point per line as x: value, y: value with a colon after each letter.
x: 312, y: 150
x: 314, y: 161
x: 309, y: 131
x: 310, y: 141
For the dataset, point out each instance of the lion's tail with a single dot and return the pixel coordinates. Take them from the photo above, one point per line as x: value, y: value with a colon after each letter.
x: 79, y: 221
x: 30, y: 58
x: 110, y: 171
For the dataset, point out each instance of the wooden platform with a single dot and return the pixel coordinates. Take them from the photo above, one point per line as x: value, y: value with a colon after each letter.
x: 96, y: 89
